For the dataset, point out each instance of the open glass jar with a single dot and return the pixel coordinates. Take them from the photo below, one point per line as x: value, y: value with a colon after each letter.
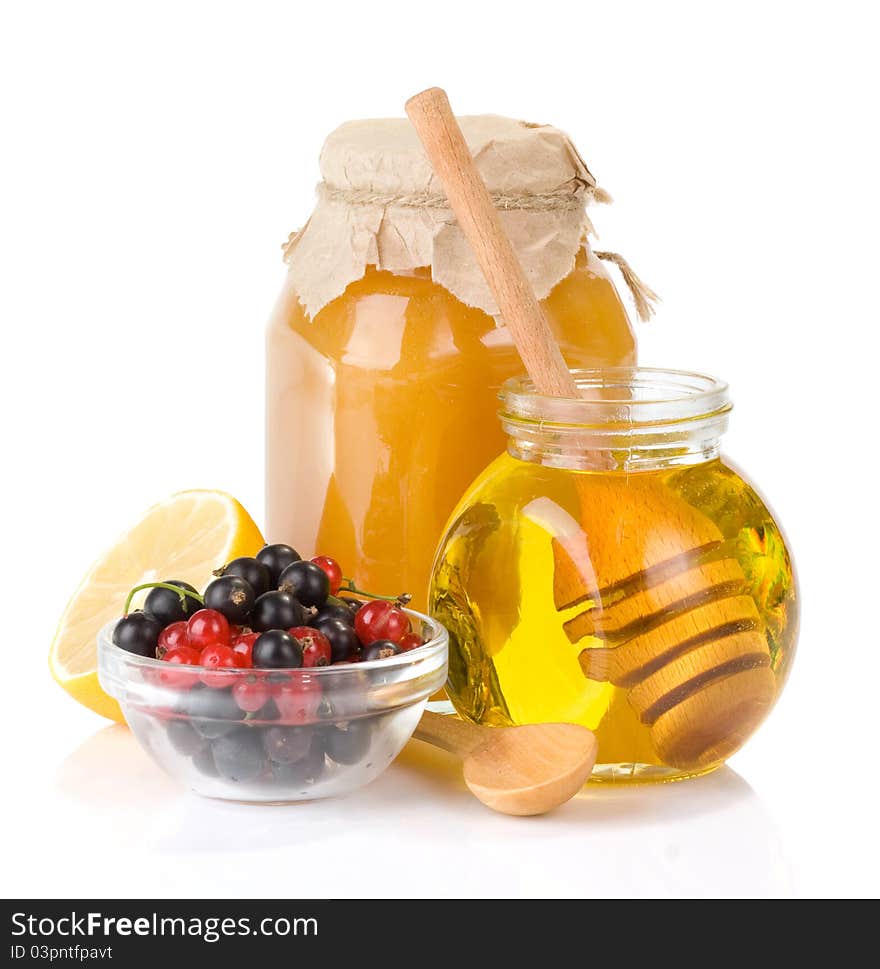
x: 611, y: 569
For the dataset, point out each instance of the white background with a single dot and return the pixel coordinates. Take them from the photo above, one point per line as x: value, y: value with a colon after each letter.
x: 156, y: 155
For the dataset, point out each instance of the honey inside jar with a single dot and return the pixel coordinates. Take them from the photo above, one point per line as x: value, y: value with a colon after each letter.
x: 382, y: 409
x: 653, y: 599
x: 386, y: 350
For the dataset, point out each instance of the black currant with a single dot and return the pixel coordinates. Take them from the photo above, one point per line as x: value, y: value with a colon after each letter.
x: 168, y: 606
x: 203, y: 761
x: 284, y: 745
x: 212, y: 729
x: 349, y: 743
x: 277, y: 610
x: 137, y: 633
x: 254, y: 572
x: 213, y: 712
x: 239, y: 755
x: 332, y: 611
x: 344, y: 642
x: 277, y: 650
x: 381, y: 649
x: 307, y: 581
x: 183, y: 738
x: 231, y: 595
x: 353, y: 604
x: 276, y: 558
x: 306, y: 770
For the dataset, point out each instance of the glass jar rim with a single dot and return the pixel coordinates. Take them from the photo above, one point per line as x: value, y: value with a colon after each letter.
x: 620, y: 399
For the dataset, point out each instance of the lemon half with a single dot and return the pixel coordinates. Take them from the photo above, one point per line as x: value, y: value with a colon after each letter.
x: 185, y: 537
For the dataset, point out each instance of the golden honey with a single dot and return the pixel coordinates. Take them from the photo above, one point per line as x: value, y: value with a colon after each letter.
x: 382, y: 408
x: 620, y: 575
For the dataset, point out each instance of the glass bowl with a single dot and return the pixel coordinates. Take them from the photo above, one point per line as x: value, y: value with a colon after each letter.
x: 321, y: 731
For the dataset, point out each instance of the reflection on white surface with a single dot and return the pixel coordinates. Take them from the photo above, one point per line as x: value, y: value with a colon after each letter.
x: 415, y: 832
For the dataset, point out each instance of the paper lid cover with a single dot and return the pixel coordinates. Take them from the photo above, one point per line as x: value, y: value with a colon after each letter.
x: 381, y: 204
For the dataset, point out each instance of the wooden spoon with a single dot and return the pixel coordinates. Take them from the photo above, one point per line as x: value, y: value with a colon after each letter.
x: 516, y: 770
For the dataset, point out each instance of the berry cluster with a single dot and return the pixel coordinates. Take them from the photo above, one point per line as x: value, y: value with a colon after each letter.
x: 277, y: 616
x: 274, y: 611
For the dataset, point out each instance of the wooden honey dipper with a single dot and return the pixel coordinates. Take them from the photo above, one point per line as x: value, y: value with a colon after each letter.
x: 679, y: 630
x: 677, y: 626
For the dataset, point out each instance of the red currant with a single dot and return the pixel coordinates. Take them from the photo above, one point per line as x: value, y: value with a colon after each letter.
x: 315, y: 645
x: 333, y: 570
x: 176, y: 678
x: 218, y: 657
x: 207, y: 627
x: 251, y: 694
x: 380, y: 620
x: 171, y: 637
x: 410, y: 641
x: 298, y: 698
x: 243, y: 645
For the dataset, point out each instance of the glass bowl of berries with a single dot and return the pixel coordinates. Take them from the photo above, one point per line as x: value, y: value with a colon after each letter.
x: 268, y: 686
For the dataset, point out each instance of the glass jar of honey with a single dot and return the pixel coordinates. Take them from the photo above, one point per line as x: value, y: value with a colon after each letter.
x: 612, y: 569
x: 385, y: 354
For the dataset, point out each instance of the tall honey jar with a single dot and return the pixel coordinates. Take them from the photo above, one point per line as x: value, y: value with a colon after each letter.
x: 612, y: 569
x: 385, y: 353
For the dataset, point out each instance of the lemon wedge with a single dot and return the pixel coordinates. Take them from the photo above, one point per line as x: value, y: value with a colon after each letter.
x: 185, y: 537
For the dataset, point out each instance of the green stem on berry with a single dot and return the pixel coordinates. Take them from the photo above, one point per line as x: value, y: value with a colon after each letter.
x: 162, y: 585
x: 351, y: 586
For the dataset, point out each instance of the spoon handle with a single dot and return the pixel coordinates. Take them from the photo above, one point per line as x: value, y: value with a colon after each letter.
x: 449, y: 733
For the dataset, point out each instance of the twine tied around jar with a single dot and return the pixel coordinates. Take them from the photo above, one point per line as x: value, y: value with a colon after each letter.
x: 568, y: 199
x: 643, y: 296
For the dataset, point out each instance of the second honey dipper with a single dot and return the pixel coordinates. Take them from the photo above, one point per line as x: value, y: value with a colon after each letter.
x: 670, y: 621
